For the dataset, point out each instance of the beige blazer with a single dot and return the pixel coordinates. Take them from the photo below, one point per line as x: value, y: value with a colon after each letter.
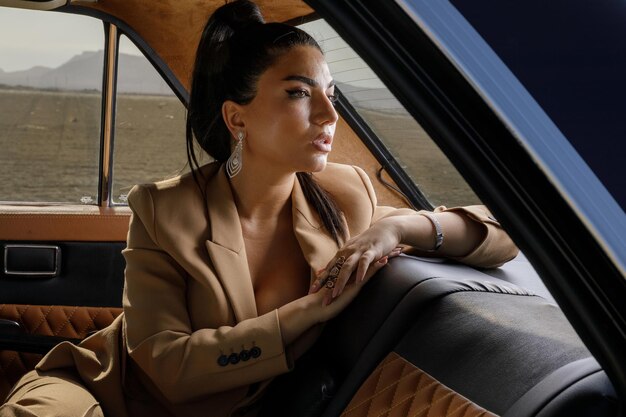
x: 190, y: 324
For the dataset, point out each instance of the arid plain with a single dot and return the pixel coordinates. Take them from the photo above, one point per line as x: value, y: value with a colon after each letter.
x: 50, y: 142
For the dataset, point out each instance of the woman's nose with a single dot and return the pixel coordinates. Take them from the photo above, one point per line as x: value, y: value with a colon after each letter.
x: 326, y: 113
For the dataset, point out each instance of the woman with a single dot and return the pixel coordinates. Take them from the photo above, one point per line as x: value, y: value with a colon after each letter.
x: 220, y: 296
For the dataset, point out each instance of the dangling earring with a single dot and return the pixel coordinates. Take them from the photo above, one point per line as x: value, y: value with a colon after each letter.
x: 233, y: 165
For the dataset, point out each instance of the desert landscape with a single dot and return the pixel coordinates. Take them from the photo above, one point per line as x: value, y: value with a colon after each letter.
x: 50, y: 129
x: 49, y: 142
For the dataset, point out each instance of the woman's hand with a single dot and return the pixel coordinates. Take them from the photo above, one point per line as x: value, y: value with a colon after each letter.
x: 300, y: 315
x: 358, y: 258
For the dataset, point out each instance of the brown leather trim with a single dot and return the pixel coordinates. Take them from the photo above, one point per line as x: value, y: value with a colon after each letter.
x: 398, y: 388
x: 61, y: 321
x: 64, y: 224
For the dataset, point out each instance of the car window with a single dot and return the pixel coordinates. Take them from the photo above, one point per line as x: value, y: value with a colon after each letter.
x: 427, y: 166
x: 149, y: 125
x: 50, y: 106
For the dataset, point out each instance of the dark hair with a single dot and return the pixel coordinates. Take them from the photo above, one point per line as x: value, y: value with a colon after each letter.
x: 235, y: 49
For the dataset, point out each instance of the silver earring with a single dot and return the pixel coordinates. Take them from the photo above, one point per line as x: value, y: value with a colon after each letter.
x: 233, y: 165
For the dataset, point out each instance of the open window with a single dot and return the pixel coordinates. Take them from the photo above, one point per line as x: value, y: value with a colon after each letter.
x: 431, y: 173
x: 50, y: 107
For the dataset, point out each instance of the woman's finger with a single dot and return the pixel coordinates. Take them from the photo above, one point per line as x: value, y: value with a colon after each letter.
x: 364, y: 264
x: 319, y: 281
x: 373, y: 268
x: 343, y: 275
x: 350, y: 251
x: 329, y: 276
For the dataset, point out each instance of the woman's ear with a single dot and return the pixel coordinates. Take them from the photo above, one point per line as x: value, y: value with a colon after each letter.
x: 233, y: 117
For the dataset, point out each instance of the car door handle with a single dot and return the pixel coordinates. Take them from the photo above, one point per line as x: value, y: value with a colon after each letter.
x: 30, y: 260
x: 10, y: 327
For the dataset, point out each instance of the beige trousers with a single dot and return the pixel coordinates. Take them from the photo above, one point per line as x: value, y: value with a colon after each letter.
x: 53, y: 394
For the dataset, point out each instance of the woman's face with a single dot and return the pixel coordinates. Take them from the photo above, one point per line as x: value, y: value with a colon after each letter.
x: 290, y: 123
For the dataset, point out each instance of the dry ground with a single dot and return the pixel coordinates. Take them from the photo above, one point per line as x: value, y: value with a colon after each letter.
x: 49, y: 146
x: 50, y: 141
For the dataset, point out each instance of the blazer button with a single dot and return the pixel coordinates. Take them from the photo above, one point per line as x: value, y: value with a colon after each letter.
x: 244, y: 355
x: 233, y: 358
x: 255, y: 352
x: 222, y: 360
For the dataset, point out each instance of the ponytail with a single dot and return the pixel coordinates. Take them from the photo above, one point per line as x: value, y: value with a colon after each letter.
x: 324, y: 205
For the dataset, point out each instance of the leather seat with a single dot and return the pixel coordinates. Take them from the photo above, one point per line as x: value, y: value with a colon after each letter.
x: 499, y: 347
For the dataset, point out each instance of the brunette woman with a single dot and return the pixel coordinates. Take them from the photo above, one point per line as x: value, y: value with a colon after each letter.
x: 231, y: 270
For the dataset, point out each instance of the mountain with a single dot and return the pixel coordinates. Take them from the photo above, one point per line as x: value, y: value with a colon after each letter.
x: 136, y: 75
x: 84, y: 72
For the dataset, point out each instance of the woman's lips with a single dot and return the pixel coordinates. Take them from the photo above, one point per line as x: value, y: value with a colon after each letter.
x: 323, y: 143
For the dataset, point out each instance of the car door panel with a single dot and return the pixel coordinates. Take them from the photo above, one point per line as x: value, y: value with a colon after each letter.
x: 89, y: 274
x: 61, y: 278
x: 64, y: 223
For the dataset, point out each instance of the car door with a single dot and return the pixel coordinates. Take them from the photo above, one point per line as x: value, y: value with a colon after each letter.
x: 63, y: 217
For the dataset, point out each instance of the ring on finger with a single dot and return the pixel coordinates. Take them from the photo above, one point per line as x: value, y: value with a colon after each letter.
x: 334, y: 272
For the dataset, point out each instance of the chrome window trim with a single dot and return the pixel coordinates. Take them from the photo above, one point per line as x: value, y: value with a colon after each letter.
x: 108, y: 114
x: 526, y: 120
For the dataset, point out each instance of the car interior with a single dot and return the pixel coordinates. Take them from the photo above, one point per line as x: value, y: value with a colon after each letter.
x: 425, y: 337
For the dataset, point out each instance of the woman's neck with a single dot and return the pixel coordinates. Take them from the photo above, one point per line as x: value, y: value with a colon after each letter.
x: 261, y: 194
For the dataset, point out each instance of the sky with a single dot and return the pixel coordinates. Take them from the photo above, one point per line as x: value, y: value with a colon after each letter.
x: 29, y: 38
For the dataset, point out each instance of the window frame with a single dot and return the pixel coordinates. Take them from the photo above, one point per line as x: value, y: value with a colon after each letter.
x: 407, y: 187
x: 114, y: 29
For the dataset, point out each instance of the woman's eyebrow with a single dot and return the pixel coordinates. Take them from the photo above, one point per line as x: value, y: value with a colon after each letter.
x: 309, y: 81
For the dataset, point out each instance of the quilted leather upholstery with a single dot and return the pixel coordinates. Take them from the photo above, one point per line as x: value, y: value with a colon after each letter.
x: 397, y: 388
x: 61, y: 321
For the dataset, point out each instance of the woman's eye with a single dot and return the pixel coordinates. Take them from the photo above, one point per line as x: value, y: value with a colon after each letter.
x: 333, y: 98
x: 298, y: 93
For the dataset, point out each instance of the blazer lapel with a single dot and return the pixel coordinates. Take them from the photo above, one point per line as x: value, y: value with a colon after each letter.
x: 226, y: 247
x: 227, y: 250
x: 316, y: 243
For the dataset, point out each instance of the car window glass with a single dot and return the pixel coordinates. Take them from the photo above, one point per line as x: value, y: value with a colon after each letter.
x: 50, y: 106
x: 149, y: 125
x: 573, y: 63
x: 428, y: 167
